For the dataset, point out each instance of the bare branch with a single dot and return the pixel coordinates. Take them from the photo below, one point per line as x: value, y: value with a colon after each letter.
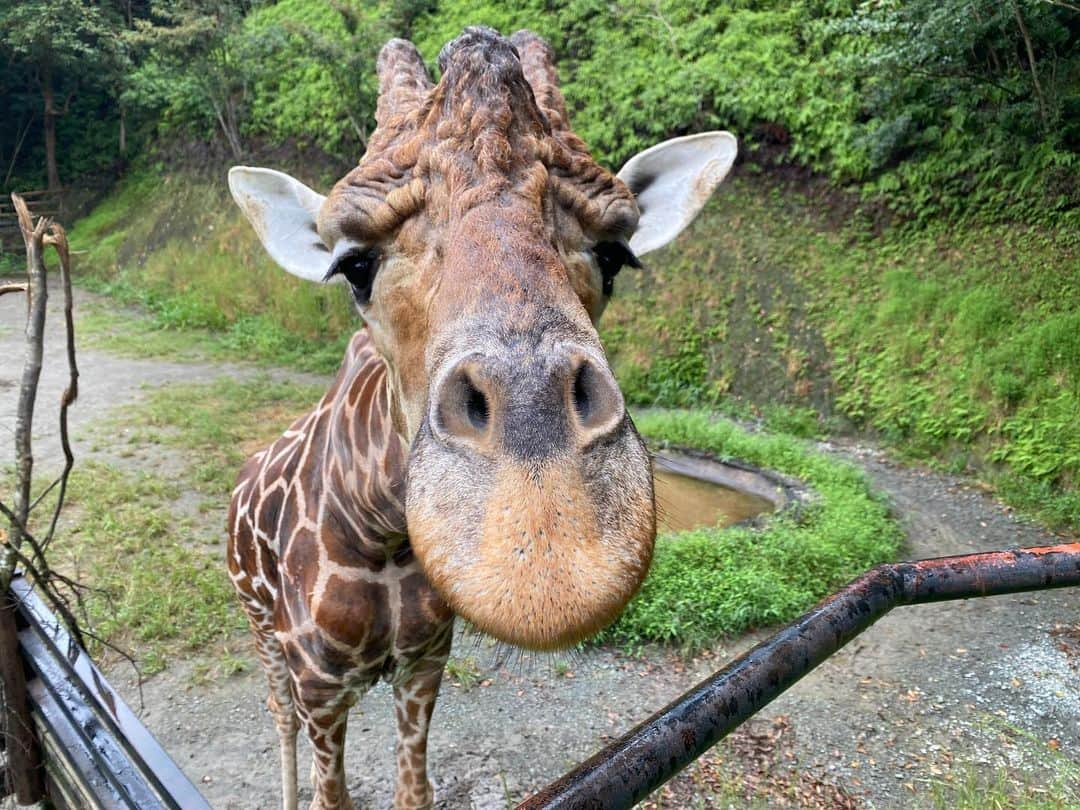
x: 1061, y: 4
x: 1031, y: 65
x: 57, y: 237
x: 21, y: 547
x: 37, y: 295
x: 44, y: 494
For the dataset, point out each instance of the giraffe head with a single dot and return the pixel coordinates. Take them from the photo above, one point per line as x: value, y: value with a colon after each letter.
x: 480, y: 241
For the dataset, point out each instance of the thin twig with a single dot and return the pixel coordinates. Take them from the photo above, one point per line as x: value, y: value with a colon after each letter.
x: 44, y: 494
x: 18, y: 147
x: 1061, y: 4
x: 42, y: 580
x: 57, y: 237
x: 1032, y: 67
x: 44, y: 577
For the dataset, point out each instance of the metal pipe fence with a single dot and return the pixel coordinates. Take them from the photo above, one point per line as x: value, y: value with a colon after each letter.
x: 633, y: 766
x: 100, y: 755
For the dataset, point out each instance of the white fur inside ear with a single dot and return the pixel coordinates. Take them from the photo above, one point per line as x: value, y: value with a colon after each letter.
x: 672, y: 182
x: 283, y: 212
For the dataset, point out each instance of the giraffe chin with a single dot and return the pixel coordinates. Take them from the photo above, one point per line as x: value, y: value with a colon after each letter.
x: 548, y: 554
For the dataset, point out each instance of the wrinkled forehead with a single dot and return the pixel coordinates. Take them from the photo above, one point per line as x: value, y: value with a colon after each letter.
x: 445, y: 183
x: 478, y: 138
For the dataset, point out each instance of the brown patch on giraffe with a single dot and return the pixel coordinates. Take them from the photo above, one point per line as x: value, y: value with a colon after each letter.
x: 429, y: 609
x: 354, y: 612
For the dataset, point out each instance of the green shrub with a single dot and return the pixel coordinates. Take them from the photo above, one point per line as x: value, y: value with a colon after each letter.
x: 712, y: 582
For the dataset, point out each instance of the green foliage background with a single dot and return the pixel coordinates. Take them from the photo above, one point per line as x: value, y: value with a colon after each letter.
x: 928, y: 107
x: 898, y: 252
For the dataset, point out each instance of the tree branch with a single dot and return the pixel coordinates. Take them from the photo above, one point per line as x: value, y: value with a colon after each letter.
x: 57, y: 237
x: 33, y: 235
x: 1032, y: 66
x: 12, y: 288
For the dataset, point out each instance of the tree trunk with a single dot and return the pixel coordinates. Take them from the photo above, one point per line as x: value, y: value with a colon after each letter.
x: 123, y: 133
x: 1032, y: 66
x: 50, y: 129
x: 227, y: 122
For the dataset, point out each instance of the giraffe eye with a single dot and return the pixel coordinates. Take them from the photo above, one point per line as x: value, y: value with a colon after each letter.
x: 359, y: 267
x: 611, y: 257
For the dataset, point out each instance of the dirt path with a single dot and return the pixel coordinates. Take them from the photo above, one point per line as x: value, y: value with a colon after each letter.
x: 107, y: 383
x: 928, y: 693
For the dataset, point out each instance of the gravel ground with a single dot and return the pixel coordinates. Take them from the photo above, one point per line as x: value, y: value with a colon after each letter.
x: 929, y: 693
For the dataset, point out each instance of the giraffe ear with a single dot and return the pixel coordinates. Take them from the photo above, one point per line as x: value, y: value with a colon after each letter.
x: 672, y: 181
x: 283, y: 212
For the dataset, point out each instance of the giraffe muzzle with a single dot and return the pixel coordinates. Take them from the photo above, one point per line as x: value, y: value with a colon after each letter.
x: 529, y: 498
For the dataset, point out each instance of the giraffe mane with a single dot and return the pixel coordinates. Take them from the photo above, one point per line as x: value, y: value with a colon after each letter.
x: 494, y: 125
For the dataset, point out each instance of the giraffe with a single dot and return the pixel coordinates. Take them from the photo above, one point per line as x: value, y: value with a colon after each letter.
x: 473, y: 455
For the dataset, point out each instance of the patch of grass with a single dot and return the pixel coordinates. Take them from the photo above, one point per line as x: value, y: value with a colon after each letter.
x: 463, y: 672
x: 1040, y: 498
x: 177, y: 246
x: 708, y: 583
x: 158, y: 586
x: 222, y: 423
x: 159, y: 581
x: 144, y: 331
x: 974, y: 790
x: 793, y: 420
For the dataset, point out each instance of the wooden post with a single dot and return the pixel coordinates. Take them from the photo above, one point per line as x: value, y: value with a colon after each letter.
x: 24, y: 754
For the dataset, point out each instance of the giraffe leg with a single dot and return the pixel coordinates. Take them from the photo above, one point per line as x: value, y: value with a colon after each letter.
x: 414, y: 702
x: 282, y: 707
x: 325, y: 726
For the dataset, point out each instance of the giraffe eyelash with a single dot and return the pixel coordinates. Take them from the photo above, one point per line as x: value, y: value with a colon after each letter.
x: 359, y: 267
x: 611, y: 258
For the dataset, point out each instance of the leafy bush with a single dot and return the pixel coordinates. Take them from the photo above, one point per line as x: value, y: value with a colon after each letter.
x: 640, y: 71
x: 711, y: 582
x: 313, y: 78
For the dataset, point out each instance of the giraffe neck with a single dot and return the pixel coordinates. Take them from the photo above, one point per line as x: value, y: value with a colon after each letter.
x: 365, y: 458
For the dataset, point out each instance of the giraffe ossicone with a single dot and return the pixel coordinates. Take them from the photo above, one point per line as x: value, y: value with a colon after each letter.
x: 473, y: 455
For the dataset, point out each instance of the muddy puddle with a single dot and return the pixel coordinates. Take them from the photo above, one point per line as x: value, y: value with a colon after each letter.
x: 688, y: 497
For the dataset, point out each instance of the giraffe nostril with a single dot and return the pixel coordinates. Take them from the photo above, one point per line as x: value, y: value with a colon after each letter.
x: 463, y: 407
x: 582, y: 401
x: 595, y: 400
x: 476, y: 406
